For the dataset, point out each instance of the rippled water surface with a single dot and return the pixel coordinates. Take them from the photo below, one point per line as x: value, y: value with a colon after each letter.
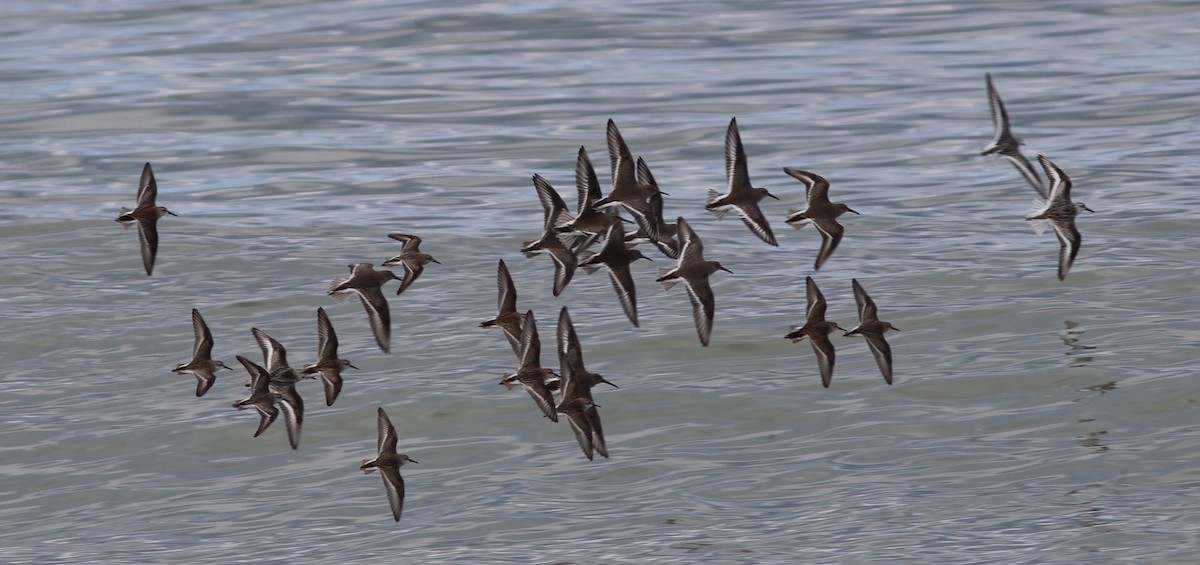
x: 1032, y: 420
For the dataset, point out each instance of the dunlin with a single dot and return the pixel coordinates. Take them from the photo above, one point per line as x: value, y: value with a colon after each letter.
x: 820, y: 211
x: 554, y: 209
x: 283, y: 376
x: 410, y: 257
x: 577, y: 383
x: 576, y: 408
x: 627, y: 189
x: 328, y: 366
x: 507, y: 318
x: 388, y: 462
x: 1060, y: 211
x: 665, y: 240
x: 264, y: 400
x: 274, y: 357
x: 574, y: 372
x: 202, y: 365
x: 531, y: 374
x: 817, y: 329
x: 1005, y: 144
x: 555, y: 215
x: 589, y: 223
x: 694, y: 271
x: 742, y: 196
x: 872, y: 328
x: 617, y: 256
x: 146, y: 213
x: 368, y: 283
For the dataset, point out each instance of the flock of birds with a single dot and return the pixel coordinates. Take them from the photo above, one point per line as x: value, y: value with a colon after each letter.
x: 572, y: 241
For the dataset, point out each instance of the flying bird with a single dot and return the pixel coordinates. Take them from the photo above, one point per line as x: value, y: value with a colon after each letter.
x: 1060, y: 212
x: 530, y: 373
x: 628, y: 190
x: 328, y: 365
x: 264, y: 400
x: 283, y: 377
x: 507, y: 318
x: 146, y: 214
x: 411, y: 258
x: 556, y: 215
x: 590, y: 222
x: 617, y: 255
x: 820, y: 212
x: 368, y: 283
x: 694, y: 271
x: 665, y: 241
x: 872, y: 328
x: 1005, y: 144
x: 202, y: 365
x: 817, y: 329
x: 742, y: 196
x: 388, y: 462
x: 577, y: 382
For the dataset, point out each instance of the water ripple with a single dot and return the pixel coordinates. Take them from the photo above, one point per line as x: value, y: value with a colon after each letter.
x: 1031, y: 419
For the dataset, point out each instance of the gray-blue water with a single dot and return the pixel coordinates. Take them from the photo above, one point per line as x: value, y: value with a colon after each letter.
x: 1032, y: 420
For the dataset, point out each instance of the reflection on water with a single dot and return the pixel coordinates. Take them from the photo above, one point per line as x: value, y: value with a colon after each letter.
x: 1102, y: 388
x: 1092, y: 439
x: 1071, y: 340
